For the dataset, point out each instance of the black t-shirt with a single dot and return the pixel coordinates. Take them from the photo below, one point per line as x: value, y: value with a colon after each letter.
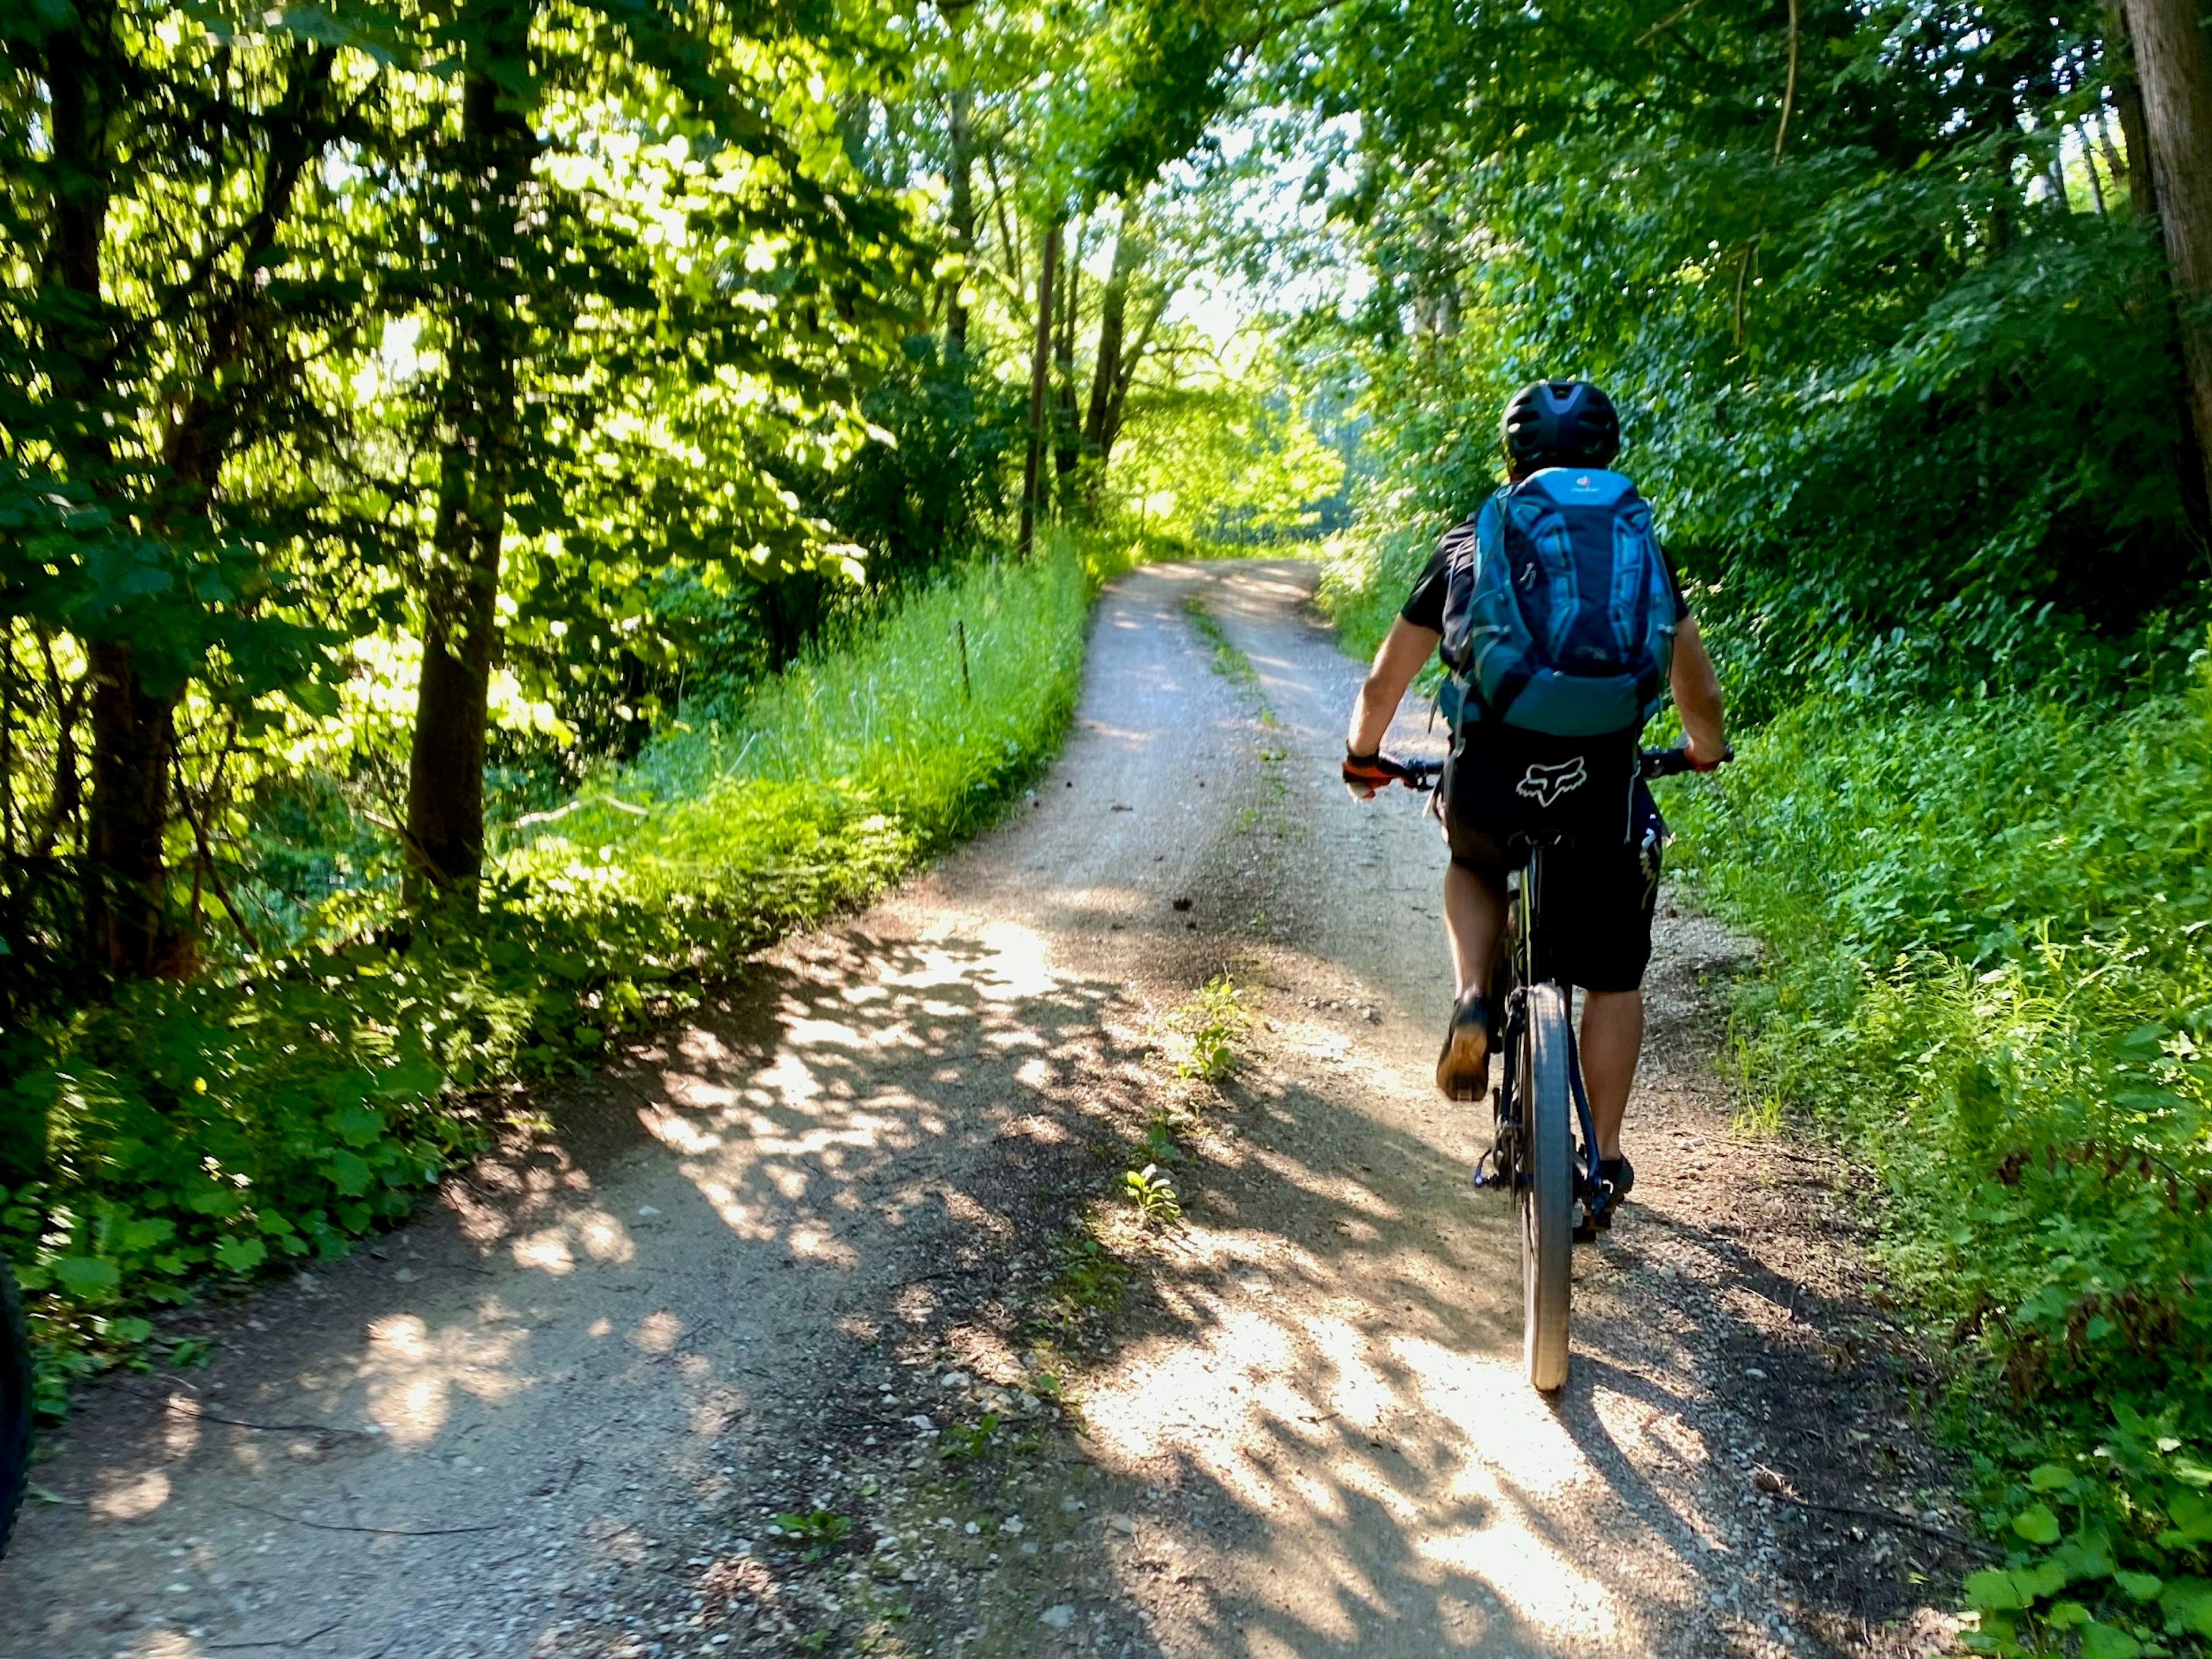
x: 1425, y: 605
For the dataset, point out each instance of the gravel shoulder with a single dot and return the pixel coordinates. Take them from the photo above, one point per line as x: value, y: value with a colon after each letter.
x: 814, y: 1323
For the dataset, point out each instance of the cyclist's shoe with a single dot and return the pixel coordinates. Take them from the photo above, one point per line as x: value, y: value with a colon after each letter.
x: 1463, y: 1067
x: 1619, y: 1175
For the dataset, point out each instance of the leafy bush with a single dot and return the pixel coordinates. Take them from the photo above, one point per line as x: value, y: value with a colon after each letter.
x: 273, y: 1115
x: 1989, y: 924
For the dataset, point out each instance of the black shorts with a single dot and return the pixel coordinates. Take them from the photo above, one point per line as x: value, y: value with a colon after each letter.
x: 1601, y: 880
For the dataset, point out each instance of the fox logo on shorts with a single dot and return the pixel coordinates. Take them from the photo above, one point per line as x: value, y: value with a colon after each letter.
x: 1546, y: 784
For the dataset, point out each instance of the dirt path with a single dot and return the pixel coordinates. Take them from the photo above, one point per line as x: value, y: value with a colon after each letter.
x: 781, y: 1260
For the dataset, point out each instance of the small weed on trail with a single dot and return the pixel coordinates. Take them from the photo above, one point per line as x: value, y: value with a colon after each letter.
x: 1213, y: 1020
x: 819, y: 1531
x: 969, y: 1439
x: 1154, y: 1195
x: 1088, y: 1283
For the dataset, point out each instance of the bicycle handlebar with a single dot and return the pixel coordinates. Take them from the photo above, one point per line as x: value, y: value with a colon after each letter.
x: 1668, y: 763
x: 1420, y: 775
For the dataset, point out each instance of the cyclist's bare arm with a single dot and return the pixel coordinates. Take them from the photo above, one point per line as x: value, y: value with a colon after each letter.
x: 1696, y: 694
x: 1405, y: 648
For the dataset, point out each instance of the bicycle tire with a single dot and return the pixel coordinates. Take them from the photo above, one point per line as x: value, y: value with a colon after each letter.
x: 1547, y: 1194
x: 14, y: 1404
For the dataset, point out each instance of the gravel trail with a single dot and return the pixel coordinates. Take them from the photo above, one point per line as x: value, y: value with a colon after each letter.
x: 779, y: 1257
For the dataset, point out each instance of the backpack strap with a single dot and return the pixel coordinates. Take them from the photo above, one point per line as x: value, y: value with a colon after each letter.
x: 1490, y: 532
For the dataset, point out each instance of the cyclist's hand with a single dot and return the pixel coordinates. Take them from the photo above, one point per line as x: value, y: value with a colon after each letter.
x: 1364, y: 773
x: 1700, y: 763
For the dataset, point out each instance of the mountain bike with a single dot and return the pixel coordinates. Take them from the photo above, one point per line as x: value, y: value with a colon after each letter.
x: 1542, y: 1109
x: 15, y: 1402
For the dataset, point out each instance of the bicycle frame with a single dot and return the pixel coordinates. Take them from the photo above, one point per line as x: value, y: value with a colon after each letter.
x: 1524, y: 889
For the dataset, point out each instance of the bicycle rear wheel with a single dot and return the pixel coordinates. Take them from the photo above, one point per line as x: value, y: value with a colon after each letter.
x: 14, y: 1404
x: 1548, y: 1192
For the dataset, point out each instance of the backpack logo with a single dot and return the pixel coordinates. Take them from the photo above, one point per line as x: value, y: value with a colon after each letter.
x: 1546, y: 784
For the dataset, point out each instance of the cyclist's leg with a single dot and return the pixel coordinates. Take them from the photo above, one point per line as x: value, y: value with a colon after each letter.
x: 1474, y: 880
x: 1612, y: 1040
x: 1474, y: 913
x: 1599, y: 917
x: 1474, y: 918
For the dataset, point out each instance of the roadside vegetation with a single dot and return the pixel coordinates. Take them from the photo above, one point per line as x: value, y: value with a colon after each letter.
x: 1987, y: 974
x: 271, y: 1114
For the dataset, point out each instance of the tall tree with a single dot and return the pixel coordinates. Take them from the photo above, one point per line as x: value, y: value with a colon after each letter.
x: 1066, y: 433
x: 161, y: 335
x: 657, y: 285
x: 483, y: 226
x: 1106, y: 386
x: 960, y: 212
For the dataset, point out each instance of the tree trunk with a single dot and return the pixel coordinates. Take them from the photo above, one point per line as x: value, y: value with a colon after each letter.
x: 444, y: 767
x: 1133, y: 357
x: 1040, y: 376
x: 2173, y: 62
x: 1113, y: 322
x: 1065, y: 433
x: 2127, y: 100
x: 962, y: 212
x: 133, y: 732
x: 133, y: 750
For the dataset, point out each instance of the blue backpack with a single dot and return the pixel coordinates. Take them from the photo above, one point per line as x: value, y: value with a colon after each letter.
x: 1560, y: 614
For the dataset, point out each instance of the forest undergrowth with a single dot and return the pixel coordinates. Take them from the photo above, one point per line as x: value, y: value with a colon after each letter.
x: 1986, y: 972
x: 267, y: 1117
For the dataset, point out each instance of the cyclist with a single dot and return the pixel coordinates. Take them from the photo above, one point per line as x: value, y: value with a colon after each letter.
x: 1504, y: 779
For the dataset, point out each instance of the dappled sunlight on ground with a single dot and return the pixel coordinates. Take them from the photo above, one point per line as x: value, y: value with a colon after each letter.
x: 412, y: 1372
x: 1339, y: 1375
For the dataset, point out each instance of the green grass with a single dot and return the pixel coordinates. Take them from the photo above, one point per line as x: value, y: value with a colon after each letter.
x: 185, y: 1133
x: 838, y: 775
x: 1990, y: 972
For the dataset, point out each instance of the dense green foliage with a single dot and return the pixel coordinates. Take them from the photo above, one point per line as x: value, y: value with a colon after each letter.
x: 1987, y: 972
x: 1907, y: 365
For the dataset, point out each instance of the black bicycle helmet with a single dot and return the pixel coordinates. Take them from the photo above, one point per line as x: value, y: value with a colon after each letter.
x: 1560, y: 423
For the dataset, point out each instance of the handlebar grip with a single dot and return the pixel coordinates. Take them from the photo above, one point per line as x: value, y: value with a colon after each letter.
x: 1669, y: 762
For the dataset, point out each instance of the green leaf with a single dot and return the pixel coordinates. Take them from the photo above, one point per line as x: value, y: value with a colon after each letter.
x: 350, y: 1173
x: 2187, y: 1604
x: 86, y: 1275
x: 2139, y: 1586
x: 358, y: 1126
x: 1993, y: 1590
x: 2108, y: 1641
x: 2037, y: 1524
x: 2189, y: 1518
x: 145, y: 1233
x: 241, y: 1255
x: 2050, y: 1477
